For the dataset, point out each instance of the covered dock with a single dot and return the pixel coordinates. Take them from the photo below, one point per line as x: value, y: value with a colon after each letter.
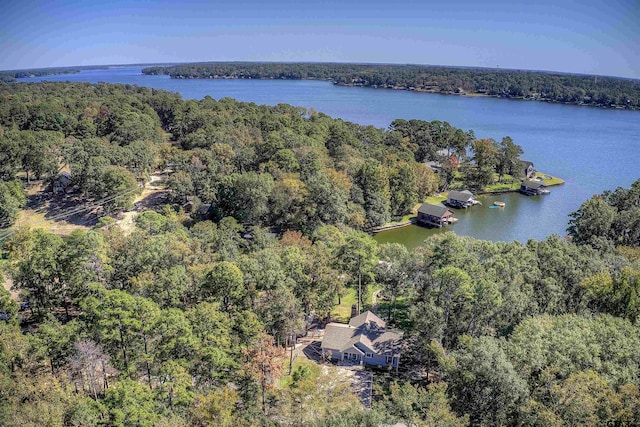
x: 434, y: 215
x: 533, y: 188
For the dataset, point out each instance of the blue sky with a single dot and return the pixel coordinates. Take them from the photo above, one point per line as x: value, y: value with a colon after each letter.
x: 588, y: 36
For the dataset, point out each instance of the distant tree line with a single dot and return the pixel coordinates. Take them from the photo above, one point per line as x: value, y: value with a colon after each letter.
x: 601, y: 91
x: 13, y: 75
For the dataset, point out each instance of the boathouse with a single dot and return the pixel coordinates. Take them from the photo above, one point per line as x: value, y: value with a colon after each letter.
x: 460, y: 199
x: 532, y: 188
x: 436, y: 215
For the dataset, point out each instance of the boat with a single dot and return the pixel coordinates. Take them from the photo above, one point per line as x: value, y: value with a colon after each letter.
x: 500, y: 204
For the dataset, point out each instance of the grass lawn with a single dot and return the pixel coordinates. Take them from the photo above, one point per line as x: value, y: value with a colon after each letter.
x: 503, y: 186
x: 37, y: 217
x: 410, y: 215
x: 434, y: 200
x: 342, y: 311
x: 30, y: 218
x: 548, y: 179
x: 508, y: 183
x: 287, y: 379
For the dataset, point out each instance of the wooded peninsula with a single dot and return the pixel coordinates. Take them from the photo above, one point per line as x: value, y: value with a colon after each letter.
x: 599, y: 91
x: 14, y: 75
x: 217, y: 243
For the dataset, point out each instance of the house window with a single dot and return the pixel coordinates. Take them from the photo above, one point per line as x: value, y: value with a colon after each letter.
x: 389, y: 359
x: 369, y: 355
x: 354, y: 356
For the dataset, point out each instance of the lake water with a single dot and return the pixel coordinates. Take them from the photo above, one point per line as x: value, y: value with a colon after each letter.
x: 591, y: 149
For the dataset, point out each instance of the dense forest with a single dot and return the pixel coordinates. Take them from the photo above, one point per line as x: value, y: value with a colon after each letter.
x: 576, y: 89
x: 279, y: 166
x: 187, y: 319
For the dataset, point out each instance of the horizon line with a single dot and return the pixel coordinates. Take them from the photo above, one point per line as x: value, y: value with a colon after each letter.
x: 173, y: 63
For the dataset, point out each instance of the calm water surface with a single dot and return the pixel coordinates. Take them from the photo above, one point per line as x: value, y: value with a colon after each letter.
x: 591, y: 149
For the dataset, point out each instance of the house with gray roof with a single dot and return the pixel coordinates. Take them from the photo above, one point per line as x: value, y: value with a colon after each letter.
x: 365, y: 340
x: 441, y: 159
x: 528, y: 169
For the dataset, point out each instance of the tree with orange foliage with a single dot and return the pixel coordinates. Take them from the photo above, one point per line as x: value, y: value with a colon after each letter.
x: 264, y: 363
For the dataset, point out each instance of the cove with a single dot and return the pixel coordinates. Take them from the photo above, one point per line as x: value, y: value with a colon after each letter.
x: 487, y: 222
x: 591, y: 149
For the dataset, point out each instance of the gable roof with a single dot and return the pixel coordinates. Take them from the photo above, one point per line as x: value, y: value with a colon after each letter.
x: 369, y: 332
x: 338, y: 335
x: 526, y: 163
x: 366, y: 317
x: 532, y: 184
x: 385, y: 343
x: 435, y: 210
x: 461, y: 196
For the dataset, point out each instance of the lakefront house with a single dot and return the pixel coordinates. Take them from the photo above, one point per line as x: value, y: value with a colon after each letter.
x: 528, y: 169
x: 365, y: 340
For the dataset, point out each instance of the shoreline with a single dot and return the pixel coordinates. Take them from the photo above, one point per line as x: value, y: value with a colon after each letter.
x: 411, y: 89
x: 486, y: 193
x: 391, y: 226
x: 554, y: 182
x: 408, y: 89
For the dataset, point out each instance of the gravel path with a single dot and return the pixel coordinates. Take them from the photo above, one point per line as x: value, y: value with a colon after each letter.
x: 374, y: 301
